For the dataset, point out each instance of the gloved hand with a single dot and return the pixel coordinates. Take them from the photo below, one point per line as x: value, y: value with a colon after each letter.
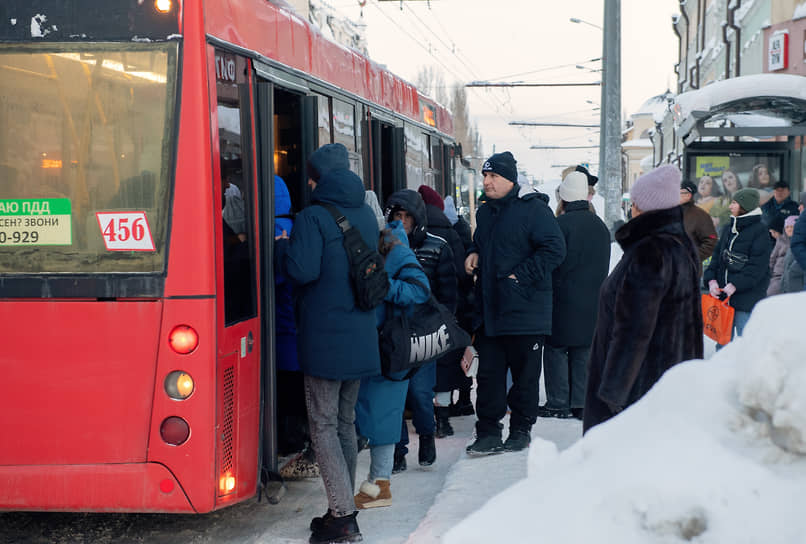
x: 729, y: 289
x: 713, y: 288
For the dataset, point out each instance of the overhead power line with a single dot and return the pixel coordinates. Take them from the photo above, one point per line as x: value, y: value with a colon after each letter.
x: 531, y: 124
x: 519, y: 84
x: 564, y: 147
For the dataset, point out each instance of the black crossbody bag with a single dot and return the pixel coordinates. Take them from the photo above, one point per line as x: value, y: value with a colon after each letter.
x: 367, y: 274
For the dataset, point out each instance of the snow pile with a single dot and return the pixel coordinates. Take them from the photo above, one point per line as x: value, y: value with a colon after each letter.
x: 715, y: 453
x: 800, y: 12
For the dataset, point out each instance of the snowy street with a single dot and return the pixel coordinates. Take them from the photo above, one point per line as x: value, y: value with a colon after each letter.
x: 427, y: 502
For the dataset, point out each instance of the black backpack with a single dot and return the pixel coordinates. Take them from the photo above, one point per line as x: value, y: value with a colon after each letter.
x: 367, y: 274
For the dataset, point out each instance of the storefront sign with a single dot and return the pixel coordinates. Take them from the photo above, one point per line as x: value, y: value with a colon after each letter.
x: 778, y: 54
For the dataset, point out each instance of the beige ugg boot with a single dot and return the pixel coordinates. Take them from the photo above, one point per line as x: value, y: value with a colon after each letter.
x: 374, y: 495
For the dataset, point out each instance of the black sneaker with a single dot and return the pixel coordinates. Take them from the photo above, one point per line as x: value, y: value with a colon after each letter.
x: 400, y: 462
x: 517, y: 441
x: 577, y: 413
x: 485, y: 445
x: 559, y: 413
x: 333, y: 529
x: 427, y: 453
x: 317, y: 522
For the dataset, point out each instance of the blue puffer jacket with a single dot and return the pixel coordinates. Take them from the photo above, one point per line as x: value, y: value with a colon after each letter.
x: 335, y: 340
x: 379, y: 410
x: 285, y: 329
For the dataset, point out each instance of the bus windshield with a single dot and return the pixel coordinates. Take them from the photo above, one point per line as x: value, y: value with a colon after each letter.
x: 85, y: 156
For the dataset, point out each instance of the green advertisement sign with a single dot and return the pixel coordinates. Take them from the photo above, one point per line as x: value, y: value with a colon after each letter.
x: 36, y: 222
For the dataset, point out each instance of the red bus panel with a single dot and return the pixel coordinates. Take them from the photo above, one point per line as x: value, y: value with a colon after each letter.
x: 72, y: 392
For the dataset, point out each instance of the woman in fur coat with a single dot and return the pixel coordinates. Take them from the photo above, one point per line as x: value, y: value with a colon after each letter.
x: 650, y: 315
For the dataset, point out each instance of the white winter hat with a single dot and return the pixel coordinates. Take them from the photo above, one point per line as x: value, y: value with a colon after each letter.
x: 574, y: 187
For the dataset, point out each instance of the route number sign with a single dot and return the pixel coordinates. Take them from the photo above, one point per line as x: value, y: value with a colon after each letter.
x: 125, y: 231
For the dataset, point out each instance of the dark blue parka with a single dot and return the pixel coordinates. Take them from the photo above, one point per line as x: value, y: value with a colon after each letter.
x: 379, y: 410
x: 774, y: 214
x: 798, y: 243
x: 335, y: 340
x: 742, y: 257
x: 517, y: 236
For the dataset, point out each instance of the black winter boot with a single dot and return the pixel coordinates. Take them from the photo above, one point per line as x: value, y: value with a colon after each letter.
x: 333, y: 529
x: 485, y: 445
x: 317, y: 522
x: 463, y: 406
x: 400, y: 462
x: 444, y: 428
x: 428, y: 450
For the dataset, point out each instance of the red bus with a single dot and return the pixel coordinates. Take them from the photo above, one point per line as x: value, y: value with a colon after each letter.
x: 137, y: 352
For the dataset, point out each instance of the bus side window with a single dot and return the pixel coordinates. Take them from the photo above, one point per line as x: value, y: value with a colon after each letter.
x: 237, y: 199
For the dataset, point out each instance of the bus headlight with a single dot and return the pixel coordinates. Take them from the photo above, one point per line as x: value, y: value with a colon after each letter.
x: 178, y: 385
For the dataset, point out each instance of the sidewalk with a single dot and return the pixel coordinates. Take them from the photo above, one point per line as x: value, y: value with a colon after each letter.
x: 427, y: 501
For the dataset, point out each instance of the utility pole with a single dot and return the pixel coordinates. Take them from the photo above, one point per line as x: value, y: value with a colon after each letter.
x: 610, y: 139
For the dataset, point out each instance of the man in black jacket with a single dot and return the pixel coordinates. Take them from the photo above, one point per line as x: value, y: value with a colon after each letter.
x: 777, y: 209
x: 517, y: 246
x: 436, y: 258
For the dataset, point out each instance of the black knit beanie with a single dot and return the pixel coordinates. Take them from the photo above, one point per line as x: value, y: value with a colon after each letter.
x: 503, y: 164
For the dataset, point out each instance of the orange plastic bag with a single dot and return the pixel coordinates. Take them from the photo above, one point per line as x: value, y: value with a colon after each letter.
x: 717, y: 319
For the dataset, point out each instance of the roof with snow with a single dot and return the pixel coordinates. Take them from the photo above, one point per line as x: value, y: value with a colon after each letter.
x: 756, y: 105
x: 657, y: 106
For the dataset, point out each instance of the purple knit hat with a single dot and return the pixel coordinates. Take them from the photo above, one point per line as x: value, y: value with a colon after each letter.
x: 790, y: 221
x: 658, y: 189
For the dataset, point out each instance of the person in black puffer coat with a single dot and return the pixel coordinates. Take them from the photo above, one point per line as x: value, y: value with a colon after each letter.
x: 517, y: 246
x: 449, y: 369
x: 435, y: 256
x: 740, y: 267
x: 576, y: 285
x: 650, y: 312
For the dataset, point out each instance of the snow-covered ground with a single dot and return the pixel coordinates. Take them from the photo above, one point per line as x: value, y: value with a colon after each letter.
x: 714, y: 453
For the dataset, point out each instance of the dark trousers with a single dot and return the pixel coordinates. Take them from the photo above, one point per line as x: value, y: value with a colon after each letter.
x: 566, y: 373
x: 521, y: 355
